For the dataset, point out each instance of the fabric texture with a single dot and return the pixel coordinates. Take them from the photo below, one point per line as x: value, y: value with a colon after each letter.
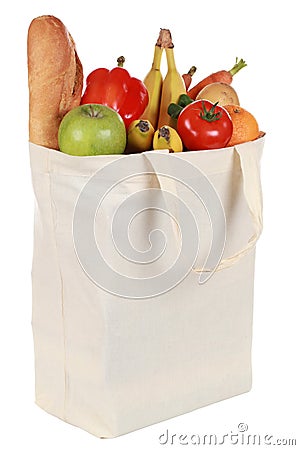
x: 111, y: 364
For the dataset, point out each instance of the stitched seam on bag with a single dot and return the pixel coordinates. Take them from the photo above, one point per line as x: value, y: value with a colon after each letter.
x: 89, y: 175
x: 62, y: 287
x: 226, y: 263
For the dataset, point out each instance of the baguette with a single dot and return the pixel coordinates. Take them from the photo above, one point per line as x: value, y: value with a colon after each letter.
x: 55, y: 78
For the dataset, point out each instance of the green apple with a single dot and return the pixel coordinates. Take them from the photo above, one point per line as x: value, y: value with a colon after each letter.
x: 92, y: 129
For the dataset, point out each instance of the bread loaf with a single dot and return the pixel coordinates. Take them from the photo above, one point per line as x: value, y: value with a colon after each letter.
x: 55, y: 78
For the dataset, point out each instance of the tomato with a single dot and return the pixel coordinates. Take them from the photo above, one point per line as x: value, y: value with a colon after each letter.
x: 203, y: 125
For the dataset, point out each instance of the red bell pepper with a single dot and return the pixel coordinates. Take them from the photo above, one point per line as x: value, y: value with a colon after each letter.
x: 116, y: 88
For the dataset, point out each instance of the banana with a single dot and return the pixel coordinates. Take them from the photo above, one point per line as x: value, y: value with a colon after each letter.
x: 153, y: 82
x: 167, y: 137
x: 139, y: 136
x: 173, y: 87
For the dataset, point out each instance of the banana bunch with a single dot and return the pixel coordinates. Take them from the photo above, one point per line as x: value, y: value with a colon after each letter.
x: 142, y: 137
x: 154, y: 82
x: 167, y: 137
x: 161, y: 91
x: 156, y: 129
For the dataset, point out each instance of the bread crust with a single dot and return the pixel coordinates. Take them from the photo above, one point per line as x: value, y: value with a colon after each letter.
x: 55, y: 78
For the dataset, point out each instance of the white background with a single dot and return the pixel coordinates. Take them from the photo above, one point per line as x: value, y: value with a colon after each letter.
x: 209, y: 35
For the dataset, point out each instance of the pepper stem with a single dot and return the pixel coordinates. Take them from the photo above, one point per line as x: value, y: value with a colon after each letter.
x: 120, y: 61
x: 238, y: 66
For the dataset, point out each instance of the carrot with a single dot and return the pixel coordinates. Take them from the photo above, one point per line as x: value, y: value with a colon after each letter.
x: 224, y: 76
x: 187, y: 77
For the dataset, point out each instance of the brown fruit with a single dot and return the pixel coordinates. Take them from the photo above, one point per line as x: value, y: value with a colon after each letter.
x: 222, y: 93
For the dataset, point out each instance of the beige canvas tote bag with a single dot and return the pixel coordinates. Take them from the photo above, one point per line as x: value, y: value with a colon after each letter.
x: 142, y: 282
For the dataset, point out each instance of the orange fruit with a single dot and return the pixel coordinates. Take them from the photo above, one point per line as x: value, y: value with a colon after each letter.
x: 245, y: 126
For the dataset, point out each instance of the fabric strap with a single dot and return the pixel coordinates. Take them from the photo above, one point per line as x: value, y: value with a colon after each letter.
x: 248, y: 162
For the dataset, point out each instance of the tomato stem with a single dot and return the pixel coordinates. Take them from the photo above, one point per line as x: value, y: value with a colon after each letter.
x: 210, y: 115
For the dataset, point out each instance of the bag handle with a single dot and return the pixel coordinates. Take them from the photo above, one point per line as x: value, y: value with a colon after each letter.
x: 250, y: 170
x: 248, y: 157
